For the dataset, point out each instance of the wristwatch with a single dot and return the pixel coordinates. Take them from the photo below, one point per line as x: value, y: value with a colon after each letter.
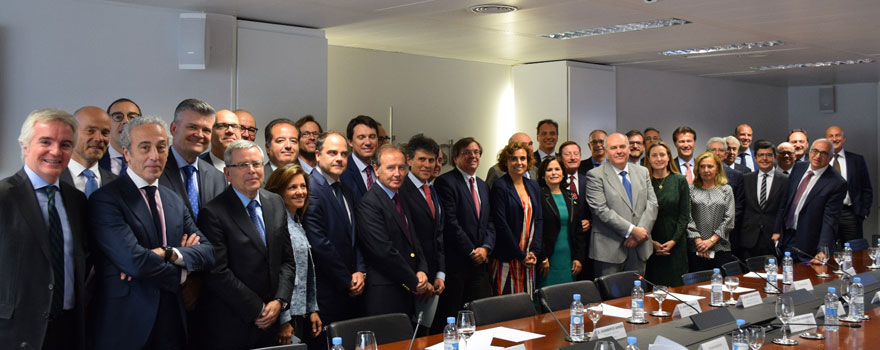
x: 284, y: 305
x: 169, y: 253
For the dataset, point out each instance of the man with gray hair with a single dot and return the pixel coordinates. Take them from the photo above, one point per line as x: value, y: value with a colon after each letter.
x: 194, y: 179
x: 149, y: 243
x: 733, y: 145
x: 43, y: 240
x: 721, y: 148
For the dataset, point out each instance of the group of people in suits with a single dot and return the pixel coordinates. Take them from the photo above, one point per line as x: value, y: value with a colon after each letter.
x: 134, y: 234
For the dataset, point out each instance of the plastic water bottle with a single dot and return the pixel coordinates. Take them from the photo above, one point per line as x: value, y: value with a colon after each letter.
x: 337, y: 344
x: 740, y: 338
x: 771, y: 275
x: 717, y: 298
x: 787, y: 269
x: 832, y: 318
x: 450, y: 335
x: 858, y: 299
x: 638, y: 302
x: 576, y: 323
x: 631, y: 343
x: 847, y: 257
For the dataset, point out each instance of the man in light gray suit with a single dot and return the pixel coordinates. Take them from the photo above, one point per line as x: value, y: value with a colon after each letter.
x: 624, y: 209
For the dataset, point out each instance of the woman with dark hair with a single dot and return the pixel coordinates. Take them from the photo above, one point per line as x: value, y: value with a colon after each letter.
x: 712, y: 213
x: 563, y: 243
x: 516, y: 213
x: 292, y: 183
x: 669, y: 260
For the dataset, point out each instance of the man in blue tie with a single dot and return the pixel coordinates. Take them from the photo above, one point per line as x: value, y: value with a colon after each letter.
x: 93, y: 136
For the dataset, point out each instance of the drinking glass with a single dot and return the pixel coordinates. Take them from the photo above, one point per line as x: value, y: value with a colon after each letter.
x: 466, y: 325
x: 838, y: 258
x: 731, y: 282
x: 756, y: 337
x: 594, y: 312
x: 824, y: 260
x: 366, y: 340
x: 660, y: 293
x: 873, y: 253
x: 785, y: 311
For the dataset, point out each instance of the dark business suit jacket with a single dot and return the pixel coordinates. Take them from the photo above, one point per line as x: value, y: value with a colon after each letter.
x: 247, y: 274
x: 508, y: 216
x: 463, y: 231
x: 759, y: 222
x: 211, y: 181
x: 858, y: 184
x: 351, y: 177
x: 26, y: 268
x: 577, y: 239
x: 428, y: 228
x: 585, y: 166
x: 741, y: 168
x: 333, y: 247
x: 817, y: 220
x: 735, y: 180
x: 392, y: 255
x: 104, y: 162
x: 124, y: 233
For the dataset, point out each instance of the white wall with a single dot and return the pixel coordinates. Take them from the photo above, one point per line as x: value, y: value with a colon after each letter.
x: 445, y: 99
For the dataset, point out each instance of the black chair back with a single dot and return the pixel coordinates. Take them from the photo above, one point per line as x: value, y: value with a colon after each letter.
x: 732, y: 268
x: 388, y: 328
x: 616, y: 285
x: 697, y: 277
x: 559, y: 296
x: 756, y: 263
x: 858, y: 245
x: 501, y: 308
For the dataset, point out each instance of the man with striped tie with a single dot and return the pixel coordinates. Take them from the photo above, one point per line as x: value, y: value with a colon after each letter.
x: 93, y: 137
x: 763, y: 192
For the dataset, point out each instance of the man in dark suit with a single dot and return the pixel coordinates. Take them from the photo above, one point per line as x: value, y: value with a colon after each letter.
x: 309, y: 130
x: 252, y: 279
x: 225, y: 130
x: 282, y: 144
x: 121, y: 112
x: 329, y: 224
x: 548, y: 135
x: 684, y: 138
x: 148, y: 243
x: 93, y: 135
x: 597, y: 150
x: 798, y: 139
x: 385, y: 233
x: 193, y: 179
x: 730, y: 159
x: 744, y: 154
x: 859, y: 195
x: 764, y: 190
x: 43, y: 241
x: 785, y: 158
x: 468, y: 232
x: 570, y: 153
x: 495, y: 172
x: 362, y: 133
x: 813, y: 199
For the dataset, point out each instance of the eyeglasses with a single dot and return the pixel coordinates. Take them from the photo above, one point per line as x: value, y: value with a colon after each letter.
x: 245, y: 165
x: 471, y: 153
x: 307, y: 133
x: 786, y: 154
x: 224, y: 126
x: 822, y: 153
x: 118, y: 117
x: 251, y: 130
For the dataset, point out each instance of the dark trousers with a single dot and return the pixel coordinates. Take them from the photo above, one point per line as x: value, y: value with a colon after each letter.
x: 764, y: 246
x: 61, y: 331
x: 461, y: 287
x: 849, y: 226
x: 696, y: 263
x: 168, y: 331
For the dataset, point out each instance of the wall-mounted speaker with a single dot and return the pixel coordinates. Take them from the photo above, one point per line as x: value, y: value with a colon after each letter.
x: 826, y: 99
x: 192, y: 48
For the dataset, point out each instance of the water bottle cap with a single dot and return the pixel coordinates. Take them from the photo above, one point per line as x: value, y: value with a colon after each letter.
x: 788, y: 254
x: 577, y: 297
x: 832, y: 290
x: 857, y: 280
x: 740, y: 322
x: 771, y: 260
x: 337, y: 340
x: 450, y: 320
x: 637, y: 283
x: 631, y: 340
x: 716, y: 270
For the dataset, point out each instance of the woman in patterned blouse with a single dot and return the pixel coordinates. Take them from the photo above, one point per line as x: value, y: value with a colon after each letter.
x: 712, y: 214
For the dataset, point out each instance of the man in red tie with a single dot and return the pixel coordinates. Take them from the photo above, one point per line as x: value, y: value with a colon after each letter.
x: 363, y: 138
x: 570, y: 153
x: 683, y: 138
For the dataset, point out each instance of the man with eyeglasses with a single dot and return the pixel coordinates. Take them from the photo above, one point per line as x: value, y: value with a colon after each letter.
x: 636, y: 147
x: 309, y: 129
x: 363, y: 138
x: 785, y: 157
x: 495, y: 172
x: 121, y: 112
x: 597, y: 148
x: 808, y: 216
x: 764, y: 190
x: 225, y: 130
x: 248, y: 125
x: 383, y: 135
x: 859, y: 195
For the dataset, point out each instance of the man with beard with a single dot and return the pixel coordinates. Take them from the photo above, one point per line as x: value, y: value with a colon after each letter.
x: 309, y: 129
x: 636, y: 147
x: 91, y: 144
x: 226, y: 129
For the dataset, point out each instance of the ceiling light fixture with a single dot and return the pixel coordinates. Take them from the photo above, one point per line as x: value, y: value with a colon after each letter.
x: 491, y: 9
x: 620, y: 28
x: 816, y: 64
x: 720, y: 48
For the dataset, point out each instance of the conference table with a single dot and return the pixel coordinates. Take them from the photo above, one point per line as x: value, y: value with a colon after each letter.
x: 681, y: 330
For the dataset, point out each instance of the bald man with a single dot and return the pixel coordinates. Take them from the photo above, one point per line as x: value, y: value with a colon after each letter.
x: 93, y: 138
x: 248, y: 125
x: 785, y: 157
x: 495, y: 172
x: 225, y: 130
x: 859, y: 195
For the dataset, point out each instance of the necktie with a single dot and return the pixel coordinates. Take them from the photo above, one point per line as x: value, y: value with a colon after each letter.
x: 258, y: 223
x: 837, y: 163
x: 124, y: 164
x: 571, y: 186
x: 627, y: 186
x: 763, y: 190
x: 475, y: 196
x: 91, y: 182
x: 430, y: 199
x: 789, y: 218
x: 337, y: 190
x: 742, y: 159
x: 191, y: 193
x: 150, y: 191
x: 402, y: 215
x: 689, y: 174
x: 56, y: 248
x: 785, y: 172
x: 370, y: 180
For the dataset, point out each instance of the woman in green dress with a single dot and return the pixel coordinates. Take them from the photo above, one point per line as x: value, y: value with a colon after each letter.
x: 563, y: 242
x: 669, y: 235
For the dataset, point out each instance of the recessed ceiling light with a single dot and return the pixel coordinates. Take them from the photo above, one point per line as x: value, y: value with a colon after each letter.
x: 815, y: 65
x: 719, y: 48
x: 490, y: 9
x: 620, y: 28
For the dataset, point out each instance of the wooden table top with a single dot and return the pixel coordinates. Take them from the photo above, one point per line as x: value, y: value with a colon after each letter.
x: 845, y: 338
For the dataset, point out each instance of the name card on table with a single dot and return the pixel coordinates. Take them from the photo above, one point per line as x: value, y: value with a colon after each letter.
x: 719, y: 343
x: 841, y: 311
x: 851, y: 271
x: 802, y: 284
x: 683, y: 310
x: 807, y: 320
x: 616, y: 331
x: 748, y: 300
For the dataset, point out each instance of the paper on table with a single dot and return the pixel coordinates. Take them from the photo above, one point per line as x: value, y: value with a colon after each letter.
x: 513, y: 335
x: 667, y: 343
x: 683, y: 297
x: 614, y: 311
x: 761, y: 275
x: 483, y: 338
x: 727, y: 290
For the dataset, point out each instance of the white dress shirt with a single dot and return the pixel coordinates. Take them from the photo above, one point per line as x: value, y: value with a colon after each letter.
x: 79, y: 180
x: 816, y: 174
